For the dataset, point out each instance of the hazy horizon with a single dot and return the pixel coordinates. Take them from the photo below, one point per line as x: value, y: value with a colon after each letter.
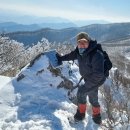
x: 112, y: 10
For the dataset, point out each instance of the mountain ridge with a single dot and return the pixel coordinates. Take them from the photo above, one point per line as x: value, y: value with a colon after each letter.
x: 9, y: 27
x: 100, y: 32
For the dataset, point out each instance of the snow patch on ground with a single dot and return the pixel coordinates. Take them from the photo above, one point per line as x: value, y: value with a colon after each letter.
x: 4, y: 80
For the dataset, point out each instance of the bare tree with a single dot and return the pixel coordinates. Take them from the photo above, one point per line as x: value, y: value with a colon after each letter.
x: 10, y: 54
x: 116, y: 95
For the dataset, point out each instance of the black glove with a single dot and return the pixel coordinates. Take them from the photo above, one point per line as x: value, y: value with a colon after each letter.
x: 59, y: 58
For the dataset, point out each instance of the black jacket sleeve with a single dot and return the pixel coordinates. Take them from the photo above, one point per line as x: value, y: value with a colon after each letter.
x: 71, y: 56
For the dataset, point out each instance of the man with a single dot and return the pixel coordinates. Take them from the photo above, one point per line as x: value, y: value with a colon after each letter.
x: 92, y: 72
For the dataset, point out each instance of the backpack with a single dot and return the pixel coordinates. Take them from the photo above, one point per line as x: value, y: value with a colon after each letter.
x: 107, y: 61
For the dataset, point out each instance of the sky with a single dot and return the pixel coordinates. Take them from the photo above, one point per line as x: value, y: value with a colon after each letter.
x: 109, y: 10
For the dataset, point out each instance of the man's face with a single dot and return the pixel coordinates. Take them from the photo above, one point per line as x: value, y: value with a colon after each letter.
x: 83, y: 43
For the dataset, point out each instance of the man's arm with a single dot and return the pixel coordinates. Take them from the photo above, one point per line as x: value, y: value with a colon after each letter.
x: 71, y: 56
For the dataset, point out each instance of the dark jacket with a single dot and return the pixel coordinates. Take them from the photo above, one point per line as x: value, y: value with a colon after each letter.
x: 93, y: 72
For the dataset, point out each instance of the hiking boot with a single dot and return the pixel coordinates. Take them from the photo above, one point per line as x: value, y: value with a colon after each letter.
x: 97, y: 119
x: 96, y: 115
x: 79, y: 116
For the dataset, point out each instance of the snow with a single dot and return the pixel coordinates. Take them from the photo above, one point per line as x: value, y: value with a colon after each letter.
x: 4, y: 80
x: 35, y: 103
x: 128, y: 56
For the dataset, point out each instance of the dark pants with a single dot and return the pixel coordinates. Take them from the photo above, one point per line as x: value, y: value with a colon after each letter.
x: 93, y: 96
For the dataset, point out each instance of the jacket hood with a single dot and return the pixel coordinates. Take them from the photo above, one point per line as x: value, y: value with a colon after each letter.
x: 92, y: 46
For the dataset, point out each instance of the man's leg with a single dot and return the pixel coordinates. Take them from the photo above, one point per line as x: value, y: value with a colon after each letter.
x: 96, y: 112
x: 81, y: 98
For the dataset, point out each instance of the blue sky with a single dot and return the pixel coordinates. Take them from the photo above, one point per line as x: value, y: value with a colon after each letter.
x: 109, y: 10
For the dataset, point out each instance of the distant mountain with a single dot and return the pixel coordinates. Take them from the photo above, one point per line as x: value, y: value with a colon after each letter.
x: 100, y: 32
x: 61, y: 25
x: 35, y: 22
x: 80, y: 23
x: 124, y: 41
x: 7, y: 16
x: 7, y: 27
x: 12, y: 21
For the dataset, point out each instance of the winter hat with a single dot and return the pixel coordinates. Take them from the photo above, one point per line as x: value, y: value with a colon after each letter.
x: 83, y: 35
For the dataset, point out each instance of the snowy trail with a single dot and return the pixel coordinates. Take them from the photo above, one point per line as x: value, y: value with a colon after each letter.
x: 35, y: 103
